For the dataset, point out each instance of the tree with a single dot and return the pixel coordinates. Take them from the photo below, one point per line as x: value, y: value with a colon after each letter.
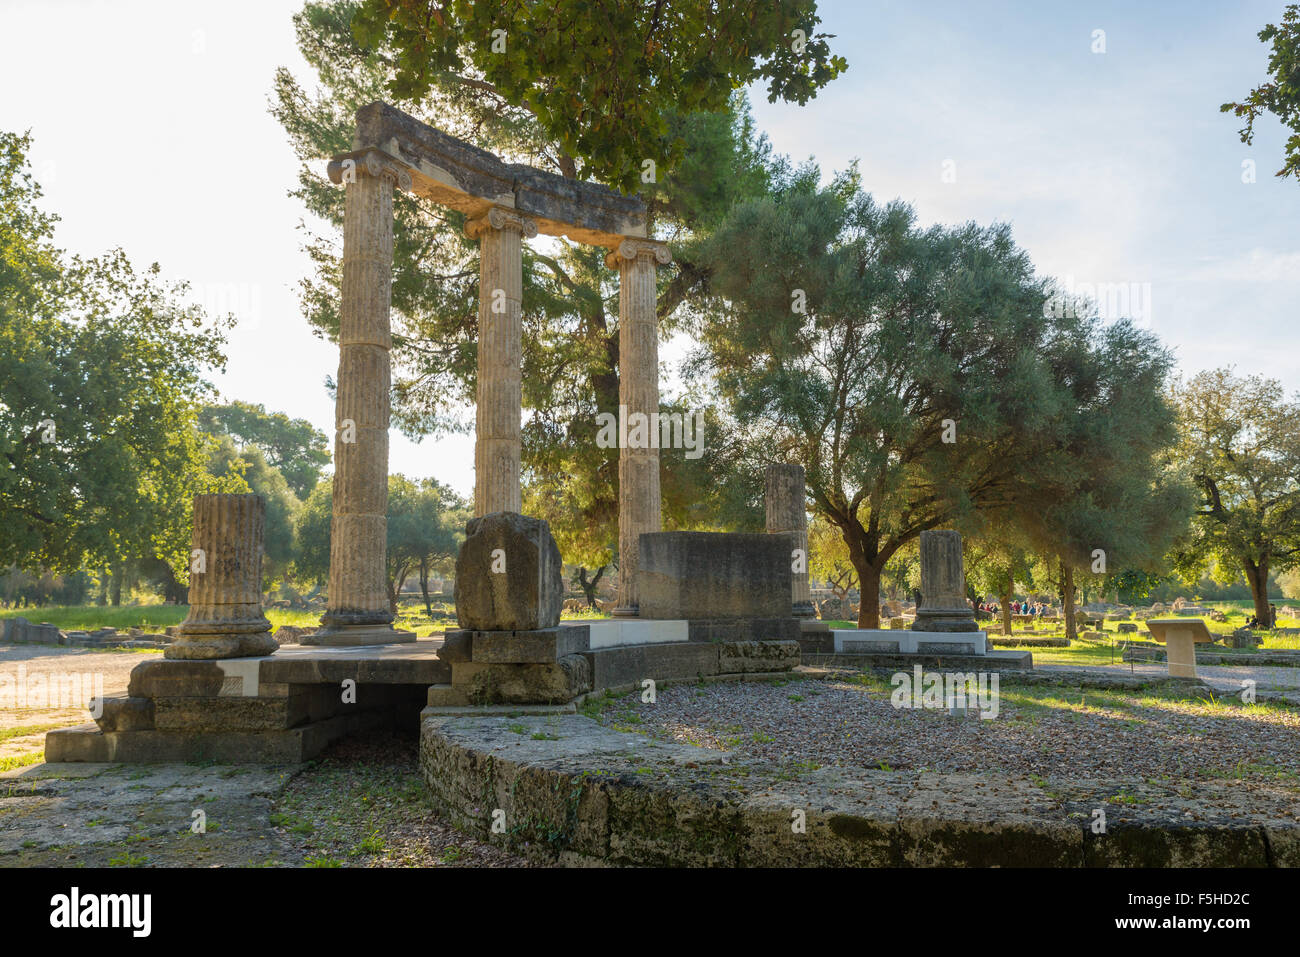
x: 425, y: 528
x: 570, y: 298
x: 294, y: 447
x: 1241, y: 438
x: 1281, y: 95
x: 601, y: 77
x: 101, y: 373
x: 908, y: 370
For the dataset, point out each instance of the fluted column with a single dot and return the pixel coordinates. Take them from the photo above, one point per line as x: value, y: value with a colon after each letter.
x: 225, y: 618
x: 786, y: 513
x: 358, y: 611
x: 499, y: 402
x: 638, y: 394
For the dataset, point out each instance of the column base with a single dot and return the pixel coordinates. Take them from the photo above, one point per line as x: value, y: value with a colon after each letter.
x: 626, y: 611
x: 804, y: 609
x: 367, y: 634
x: 209, y: 647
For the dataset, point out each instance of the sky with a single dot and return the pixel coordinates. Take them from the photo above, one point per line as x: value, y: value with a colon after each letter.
x: 1105, y: 151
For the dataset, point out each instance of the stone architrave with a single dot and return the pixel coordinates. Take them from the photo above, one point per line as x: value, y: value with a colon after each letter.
x: 500, y: 358
x: 638, y: 395
x: 786, y: 513
x: 225, y: 618
x: 358, y: 612
x: 943, y: 604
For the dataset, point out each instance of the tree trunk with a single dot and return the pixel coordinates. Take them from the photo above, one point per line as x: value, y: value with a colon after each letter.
x: 1004, y: 600
x: 424, y: 586
x: 1257, y: 579
x: 589, y: 587
x: 102, y: 600
x: 1067, y: 601
x: 868, y: 596
x: 118, y: 572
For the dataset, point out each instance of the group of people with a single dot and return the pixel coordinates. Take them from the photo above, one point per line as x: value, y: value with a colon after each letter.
x: 1017, y: 608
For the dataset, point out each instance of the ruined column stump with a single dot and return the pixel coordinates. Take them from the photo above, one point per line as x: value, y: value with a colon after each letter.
x: 784, y: 499
x: 943, y: 585
x: 225, y: 619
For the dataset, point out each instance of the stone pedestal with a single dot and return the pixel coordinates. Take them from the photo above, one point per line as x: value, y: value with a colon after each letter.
x: 225, y: 619
x: 500, y: 358
x: 943, y: 585
x: 786, y: 514
x: 638, y: 394
x: 358, y: 611
x: 510, y: 647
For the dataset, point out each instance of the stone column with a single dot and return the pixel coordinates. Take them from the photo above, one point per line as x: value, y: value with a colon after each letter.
x: 638, y: 397
x: 358, y: 612
x: 225, y: 619
x: 500, y: 359
x: 786, y: 513
x: 943, y: 604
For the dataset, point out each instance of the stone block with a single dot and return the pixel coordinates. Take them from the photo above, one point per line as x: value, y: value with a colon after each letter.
x: 713, y: 575
x: 509, y: 575
x: 632, y: 664
x: 744, y: 657
x: 176, y: 679
x: 556, y: 683
x: 126, y: 714
x: 230, y: 713
x: 457, y: 645
x: 544, y: 646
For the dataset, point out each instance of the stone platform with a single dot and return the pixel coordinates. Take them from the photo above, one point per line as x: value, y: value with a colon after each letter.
x: 279, y: 708
x: 905, y: 641
x: 287, y: 707
x: 575, y: 792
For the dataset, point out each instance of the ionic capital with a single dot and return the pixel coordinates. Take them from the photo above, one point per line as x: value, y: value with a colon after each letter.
x: 346, y: 169
x: 634, y: 249
x: 498, y: 217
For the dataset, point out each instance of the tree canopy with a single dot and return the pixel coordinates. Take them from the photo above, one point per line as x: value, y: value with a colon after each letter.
x: 602, y: 77
x: 102, y: 370
x: 1280, y: 95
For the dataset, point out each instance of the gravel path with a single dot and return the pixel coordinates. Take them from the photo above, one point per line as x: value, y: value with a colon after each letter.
x: 1219, y: 677
x: 22, y: 729
x: 1038, y: 731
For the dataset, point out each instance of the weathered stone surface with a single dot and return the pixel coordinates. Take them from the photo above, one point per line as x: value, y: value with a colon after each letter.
x: 632, y: 664
x: 509, y: 575
x: 556, y: 683
x: 528, y: 647
x: 20, y: 631
x: 757, y: 656
x: 943, y: 585
x: 639, y: 502
x: 787, y: 512
x: 225, y: 619
x: 464, y: 177
x: 745, y: 629
x: 498, y: 408
x: 457, y: 645
x: 126, y: 714
x: 575, y: 792
x: 711, y: 575
x: 155, y: 679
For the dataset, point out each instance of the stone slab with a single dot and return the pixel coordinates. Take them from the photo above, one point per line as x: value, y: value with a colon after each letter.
x: 617, y: 632
x: 545, y: 646
x: 993, y: 661
x: 88, y: 743
x: 710, y: 575
x: 896, y: 641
